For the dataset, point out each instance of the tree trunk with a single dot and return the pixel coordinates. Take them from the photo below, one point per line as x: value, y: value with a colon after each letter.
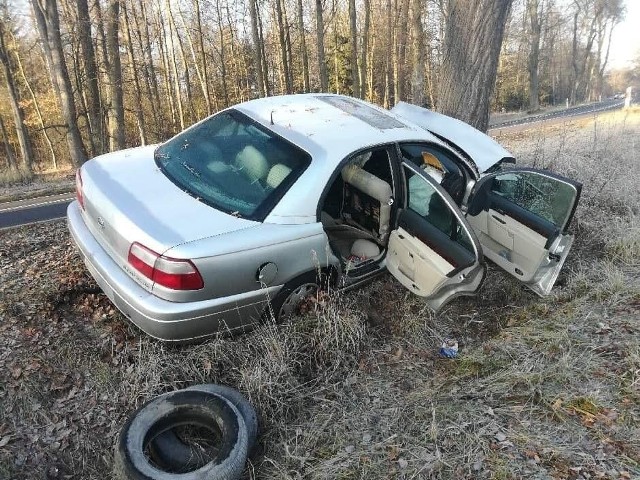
x: 256, y: 50
x: 353, y: 31
x: 142, y: 129
x: 400, y: 53
x: 322, y: 64
x: 171, y: 58
x: 47, y: 20
x: 534, y: 17
x: 116, y: 107
x: 417, y: 75
x: 364, y: 46
x: 92, y: 91
x: 223, y: 56
x: 303, y: 49
x: 149, y: 67
x: 286, y: 74
x: 473, y: 38
x: 200, y: 63
x: 26, y: 149
x: 11, y: 160
x: 388, y: 74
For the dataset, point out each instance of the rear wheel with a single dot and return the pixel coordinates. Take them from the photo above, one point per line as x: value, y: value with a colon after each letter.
x: 295, y: 293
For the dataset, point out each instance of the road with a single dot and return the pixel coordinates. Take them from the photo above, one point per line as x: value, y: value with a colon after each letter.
x: 55, y: 206
x: 558, y: 116
x: 34, y: 210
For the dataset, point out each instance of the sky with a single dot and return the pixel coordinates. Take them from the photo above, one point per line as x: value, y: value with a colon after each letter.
x: 625, y: 44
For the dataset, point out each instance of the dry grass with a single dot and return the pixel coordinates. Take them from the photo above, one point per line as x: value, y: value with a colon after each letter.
x: 355, y: 389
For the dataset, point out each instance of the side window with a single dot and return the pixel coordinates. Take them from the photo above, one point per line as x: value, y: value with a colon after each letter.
x: 439, y: 164
x: 543, y: 196
x: 424, y: 199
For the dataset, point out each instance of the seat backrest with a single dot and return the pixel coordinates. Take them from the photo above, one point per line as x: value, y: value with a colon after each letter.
x: 378, y: 191
x: 252, y: 163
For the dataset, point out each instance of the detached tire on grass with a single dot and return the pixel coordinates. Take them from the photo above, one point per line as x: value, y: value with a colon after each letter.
x: 169, y: 450
x: 199, y: 409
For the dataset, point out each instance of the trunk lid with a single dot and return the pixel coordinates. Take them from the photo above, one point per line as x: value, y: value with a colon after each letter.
x: 128, y: 199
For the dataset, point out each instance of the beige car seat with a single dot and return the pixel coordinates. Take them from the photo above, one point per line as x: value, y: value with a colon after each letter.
x: 375, y: 188
x: 252, y: 163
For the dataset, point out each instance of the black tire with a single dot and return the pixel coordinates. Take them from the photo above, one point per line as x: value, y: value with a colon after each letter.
x: 184, y: 407
x: 286, y: 302
x: 168, y: 450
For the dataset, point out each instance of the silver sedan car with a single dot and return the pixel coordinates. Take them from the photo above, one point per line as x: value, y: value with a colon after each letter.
x: 246, y: 213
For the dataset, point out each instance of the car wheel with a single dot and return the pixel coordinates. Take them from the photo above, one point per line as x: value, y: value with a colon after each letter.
x: 170, y: 451
x: 207, y: 411
x: 287, y: 302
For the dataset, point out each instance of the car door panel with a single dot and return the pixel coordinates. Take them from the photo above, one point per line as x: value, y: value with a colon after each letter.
x: 414, y: 264
x: 453, y: 253
x: 520, y: 217
x: 432, y: 250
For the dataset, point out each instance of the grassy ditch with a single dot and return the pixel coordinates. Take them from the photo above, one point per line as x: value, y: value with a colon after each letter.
x: 542, y: 388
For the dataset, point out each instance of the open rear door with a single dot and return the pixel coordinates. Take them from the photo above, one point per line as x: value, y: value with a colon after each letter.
x: 521, y: 218
x: 433, y: 251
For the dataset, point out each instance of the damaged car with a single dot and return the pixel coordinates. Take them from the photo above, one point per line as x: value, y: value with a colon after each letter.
x: 247, y: 213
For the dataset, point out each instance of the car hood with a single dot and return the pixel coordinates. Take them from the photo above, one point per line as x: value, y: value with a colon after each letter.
x: 128, y: 199
x: 483, y: 150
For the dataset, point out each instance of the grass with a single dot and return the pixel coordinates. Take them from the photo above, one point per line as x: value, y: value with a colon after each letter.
x: 542, y: 388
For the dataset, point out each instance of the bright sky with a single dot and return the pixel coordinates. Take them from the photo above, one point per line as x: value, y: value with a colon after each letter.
x: 625, y: 44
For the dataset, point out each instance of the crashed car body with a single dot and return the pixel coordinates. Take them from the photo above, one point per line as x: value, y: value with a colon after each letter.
x: 240, y: 215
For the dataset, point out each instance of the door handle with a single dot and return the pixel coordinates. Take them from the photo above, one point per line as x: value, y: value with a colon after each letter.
x: 499, y: 220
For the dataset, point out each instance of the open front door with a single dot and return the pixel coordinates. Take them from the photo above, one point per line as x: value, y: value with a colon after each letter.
x: 521, y: 218
x: 433, y: 251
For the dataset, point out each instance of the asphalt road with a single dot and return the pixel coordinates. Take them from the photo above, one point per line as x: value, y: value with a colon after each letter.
x: 34, y: 210
x: 51, y: 207
x: 560, y: 115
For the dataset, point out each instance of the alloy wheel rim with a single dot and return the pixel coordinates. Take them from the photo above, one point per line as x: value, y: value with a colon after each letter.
x: 295, y: 299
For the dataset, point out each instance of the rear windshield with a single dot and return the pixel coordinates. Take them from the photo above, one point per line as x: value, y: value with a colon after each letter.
x: 232, y: 163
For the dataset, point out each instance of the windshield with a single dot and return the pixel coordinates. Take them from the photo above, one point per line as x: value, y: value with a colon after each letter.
x: 233, y: 164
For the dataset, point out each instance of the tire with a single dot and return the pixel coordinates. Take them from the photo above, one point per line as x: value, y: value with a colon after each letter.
x: 286, y: 302
x: 184, y: 407
x: 168, y: 450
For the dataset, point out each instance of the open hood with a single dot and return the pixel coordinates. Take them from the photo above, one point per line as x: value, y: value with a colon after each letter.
x: 483, y: 150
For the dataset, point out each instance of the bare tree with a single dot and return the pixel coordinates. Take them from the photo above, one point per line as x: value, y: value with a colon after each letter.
x: 353, y: 31
x: 418, y: 61
x: 303, y: 48
x: 26, y: 150
x: 322, y: 64
x: 116, y: 102
x: 92, y: 91
x: 48, y: 22
x: 534, y: 18
x: 471, y: 47
x: 256, y: 49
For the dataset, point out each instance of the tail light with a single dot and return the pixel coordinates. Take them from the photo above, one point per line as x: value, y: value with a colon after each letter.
x: 173, y: 273
x: 79, y: 195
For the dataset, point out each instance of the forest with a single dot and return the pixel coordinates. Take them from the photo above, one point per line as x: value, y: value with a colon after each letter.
x: 84, y: 77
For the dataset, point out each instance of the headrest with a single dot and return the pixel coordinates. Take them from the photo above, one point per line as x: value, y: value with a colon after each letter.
x: 277, y: 174
x: 252, y: 162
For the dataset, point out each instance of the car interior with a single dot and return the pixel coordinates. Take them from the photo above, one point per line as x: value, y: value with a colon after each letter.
x: 357, y: 210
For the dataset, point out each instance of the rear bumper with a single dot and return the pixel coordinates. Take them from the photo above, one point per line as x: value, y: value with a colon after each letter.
x: 162, y: 319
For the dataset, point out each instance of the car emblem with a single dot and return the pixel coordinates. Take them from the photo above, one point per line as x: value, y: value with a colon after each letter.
x: 101, y: 223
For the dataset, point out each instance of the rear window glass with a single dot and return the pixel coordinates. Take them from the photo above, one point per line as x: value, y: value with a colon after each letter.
x: 233, y: 164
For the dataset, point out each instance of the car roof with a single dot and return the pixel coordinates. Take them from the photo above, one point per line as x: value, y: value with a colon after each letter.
x: 330, y: 126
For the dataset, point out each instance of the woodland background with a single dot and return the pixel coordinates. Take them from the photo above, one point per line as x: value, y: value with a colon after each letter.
x: 83, y: 77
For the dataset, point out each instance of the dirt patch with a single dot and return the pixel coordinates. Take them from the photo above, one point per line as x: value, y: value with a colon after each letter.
x: 542, y: 388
